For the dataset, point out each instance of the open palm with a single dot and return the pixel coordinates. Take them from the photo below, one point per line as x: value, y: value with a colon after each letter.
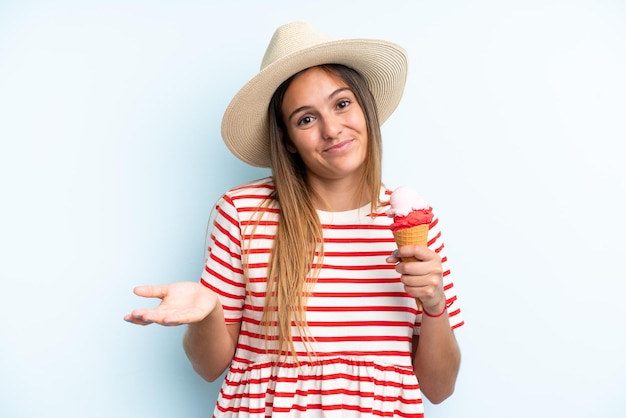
x: 181, y: 303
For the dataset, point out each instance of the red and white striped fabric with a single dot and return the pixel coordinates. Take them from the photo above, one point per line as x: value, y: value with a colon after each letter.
x: 359, y: 316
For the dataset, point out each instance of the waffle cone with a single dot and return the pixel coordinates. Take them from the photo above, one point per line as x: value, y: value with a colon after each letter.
x: 417, y: 235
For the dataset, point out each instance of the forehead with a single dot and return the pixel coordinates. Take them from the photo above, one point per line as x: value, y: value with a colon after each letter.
x: 318, y: 75
x: 314, y: 81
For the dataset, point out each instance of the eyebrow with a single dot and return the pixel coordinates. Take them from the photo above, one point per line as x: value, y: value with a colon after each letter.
x: 333, y: 94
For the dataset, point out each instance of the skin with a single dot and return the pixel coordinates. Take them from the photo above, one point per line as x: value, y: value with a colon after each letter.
x: 208, y: 342
x: 327, y: 127
x: 436, y: 354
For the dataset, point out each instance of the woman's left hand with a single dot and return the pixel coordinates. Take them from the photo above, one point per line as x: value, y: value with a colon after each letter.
x: 422, y: 278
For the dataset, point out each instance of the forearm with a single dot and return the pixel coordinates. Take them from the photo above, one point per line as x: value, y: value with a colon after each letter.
x: 437, y: 358
x: 209, y: 345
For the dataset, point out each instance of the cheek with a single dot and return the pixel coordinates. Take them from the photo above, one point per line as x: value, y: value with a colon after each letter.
x: 359, y: 121
x: 302, y: 141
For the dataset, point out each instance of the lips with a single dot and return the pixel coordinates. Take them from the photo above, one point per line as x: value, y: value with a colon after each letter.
x: 339, y: 147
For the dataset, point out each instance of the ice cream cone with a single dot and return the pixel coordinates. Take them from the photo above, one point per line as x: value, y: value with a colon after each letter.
x: 411, y: 220
x: 416, y: 235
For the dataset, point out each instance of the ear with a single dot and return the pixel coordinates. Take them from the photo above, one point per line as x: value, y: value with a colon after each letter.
x: 290, y: 147
x: 287, y: 142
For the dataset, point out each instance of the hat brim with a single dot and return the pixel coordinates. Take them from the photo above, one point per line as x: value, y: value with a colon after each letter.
x: 245, y: 123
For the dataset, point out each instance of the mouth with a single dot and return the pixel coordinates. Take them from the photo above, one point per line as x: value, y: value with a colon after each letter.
x: 339, y: 147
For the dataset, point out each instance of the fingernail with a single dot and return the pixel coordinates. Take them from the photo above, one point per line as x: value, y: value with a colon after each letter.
x: 394, y: 254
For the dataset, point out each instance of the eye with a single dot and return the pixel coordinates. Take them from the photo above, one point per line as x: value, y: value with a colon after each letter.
x: 342, y: 104
x: 305, y: 120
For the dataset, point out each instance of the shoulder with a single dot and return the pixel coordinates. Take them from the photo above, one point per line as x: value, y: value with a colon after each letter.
x: 261, y: 187
x: 250, y: 193
x: 248, y: 201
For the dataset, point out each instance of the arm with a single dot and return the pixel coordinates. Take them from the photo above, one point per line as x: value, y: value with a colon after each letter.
x: 437, y: 357
x: 436, y: 354
x: 209, y: 342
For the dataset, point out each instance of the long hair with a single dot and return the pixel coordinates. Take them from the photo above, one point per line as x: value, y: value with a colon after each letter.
x: 298, y: 248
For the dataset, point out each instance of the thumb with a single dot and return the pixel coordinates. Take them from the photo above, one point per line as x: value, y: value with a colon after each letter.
x: 151, y: 291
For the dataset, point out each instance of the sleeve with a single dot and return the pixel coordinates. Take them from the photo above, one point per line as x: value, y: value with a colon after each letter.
x: 435, y: 243
x: 223, y: 271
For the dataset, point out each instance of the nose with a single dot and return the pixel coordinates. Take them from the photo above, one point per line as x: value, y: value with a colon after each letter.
x: 332, y: 126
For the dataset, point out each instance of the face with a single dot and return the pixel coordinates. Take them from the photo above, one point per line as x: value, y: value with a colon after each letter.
x: 326, y: 126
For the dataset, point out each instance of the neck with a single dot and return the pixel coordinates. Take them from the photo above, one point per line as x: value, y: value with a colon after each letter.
x: 338, y: 196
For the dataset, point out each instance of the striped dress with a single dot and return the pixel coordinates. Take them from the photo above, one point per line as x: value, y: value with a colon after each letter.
x: 361, y: 320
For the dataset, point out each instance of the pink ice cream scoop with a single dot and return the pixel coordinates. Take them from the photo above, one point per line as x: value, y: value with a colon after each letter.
x: 411, y: 220
x: 408, y: 209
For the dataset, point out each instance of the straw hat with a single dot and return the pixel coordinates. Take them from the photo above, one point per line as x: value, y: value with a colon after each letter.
x: 297, y: 46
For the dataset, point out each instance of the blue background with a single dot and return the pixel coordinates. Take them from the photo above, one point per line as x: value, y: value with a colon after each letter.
x: 512, y: 126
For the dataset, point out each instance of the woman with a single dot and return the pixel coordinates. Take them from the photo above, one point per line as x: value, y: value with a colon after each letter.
x: 300, y: 297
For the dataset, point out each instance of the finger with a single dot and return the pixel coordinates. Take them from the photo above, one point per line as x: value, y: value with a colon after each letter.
x: 426, y: 287
x: 414, y: 291
x: 420, y: 252
x: 426, y: 269
x: 138, y: 315
x: 393, y: 257
x: 423, y: 292
x: 159, y: 291
x: 167, y: 320
x: 151, y: 316
x: 136, y: 319
x: 177, y: 316
x: 412, y: 281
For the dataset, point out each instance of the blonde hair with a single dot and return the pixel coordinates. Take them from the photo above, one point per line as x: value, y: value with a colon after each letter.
x: 298, y: 247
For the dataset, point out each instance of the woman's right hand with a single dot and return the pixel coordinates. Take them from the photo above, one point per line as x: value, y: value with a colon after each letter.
x: 181, y: 303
